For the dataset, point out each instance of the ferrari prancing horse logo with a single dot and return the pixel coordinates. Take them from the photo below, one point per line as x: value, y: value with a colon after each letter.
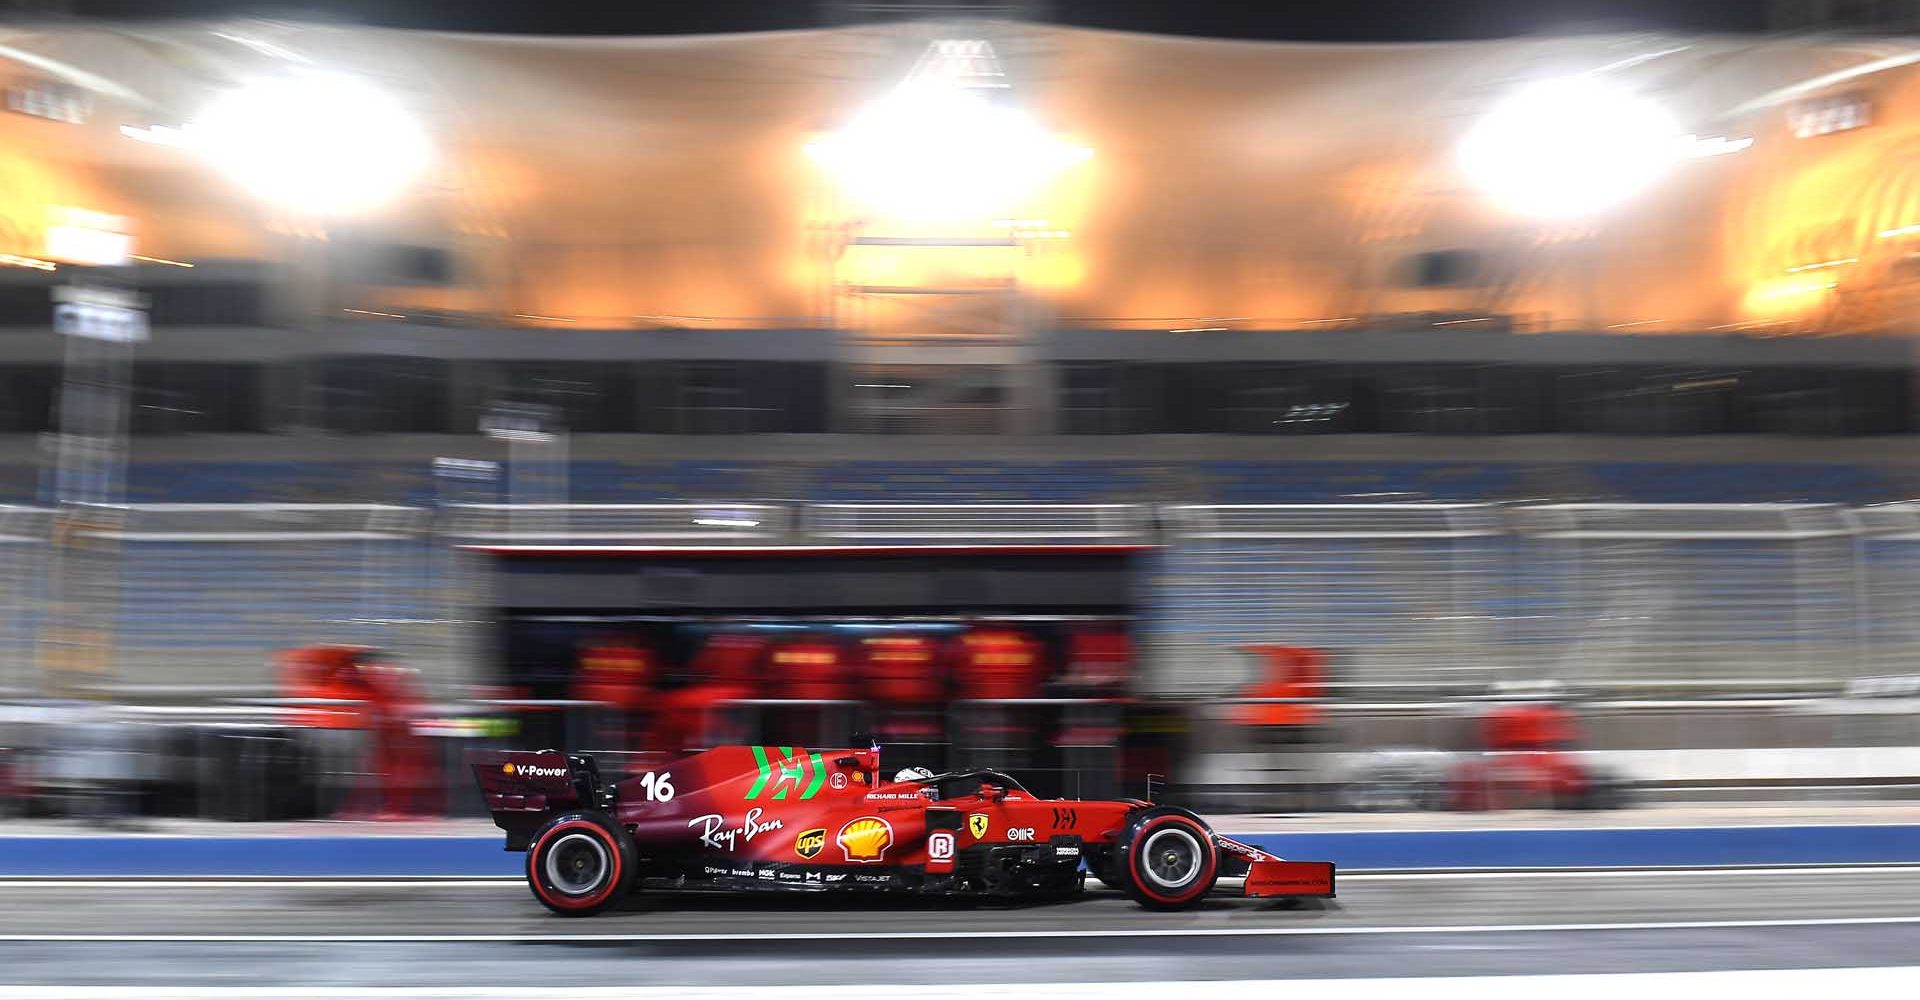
x: 977, y: 824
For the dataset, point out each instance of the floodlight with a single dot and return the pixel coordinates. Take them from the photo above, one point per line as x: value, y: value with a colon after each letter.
x: 929, y: 149
x: 1569, y: 147
x: 321, y: 142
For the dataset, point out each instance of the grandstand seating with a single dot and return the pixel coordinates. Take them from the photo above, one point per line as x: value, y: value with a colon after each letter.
x: 1750, y: 482
x: 258, y: 595
x: 1359, y: 482
x: 19, y: 483
x: 284, y: 482
x: 395, y: 482
x: 629, y: 482
x: 937, y: 482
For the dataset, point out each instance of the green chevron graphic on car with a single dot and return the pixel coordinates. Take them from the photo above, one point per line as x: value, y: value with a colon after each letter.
x: 787, y: 774
x: 791, y: 774
x: 819, y: 777
x: 759, y: 758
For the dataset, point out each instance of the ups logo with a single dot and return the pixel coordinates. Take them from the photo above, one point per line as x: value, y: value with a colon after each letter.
x: 809, y: 843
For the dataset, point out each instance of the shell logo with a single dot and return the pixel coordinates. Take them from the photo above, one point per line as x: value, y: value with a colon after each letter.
x: 865, y: 840
x: 507, y: 769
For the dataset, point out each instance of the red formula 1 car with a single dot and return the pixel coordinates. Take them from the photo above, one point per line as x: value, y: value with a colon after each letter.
x: 792, y: 819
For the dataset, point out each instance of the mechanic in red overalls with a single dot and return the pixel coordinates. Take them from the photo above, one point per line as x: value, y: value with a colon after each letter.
x: 995, y: 663
x: 1529, y: 760
x: 619, y: 675
x: 403, y: 761
x: 1290, y: 672
x: 1290, y: 725
x: 905, y: 683
x: 812, y: 669
x: 332, y: 719
x: 994, y: 667
x: 699, y: 714
x: 1091, y: 733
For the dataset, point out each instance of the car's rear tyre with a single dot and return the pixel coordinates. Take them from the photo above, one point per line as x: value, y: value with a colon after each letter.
x: 1166, y: 860
x: 579, y: 864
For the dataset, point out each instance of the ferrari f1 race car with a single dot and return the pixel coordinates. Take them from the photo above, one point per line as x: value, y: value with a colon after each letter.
x: 797, y: 820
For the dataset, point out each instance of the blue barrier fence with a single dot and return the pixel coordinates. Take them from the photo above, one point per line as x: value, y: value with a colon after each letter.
x: 467, y: 856
x: 1219, y: 481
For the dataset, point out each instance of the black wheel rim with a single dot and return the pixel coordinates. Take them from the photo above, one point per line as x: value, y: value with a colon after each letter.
x: 1171, y: 858
x: 577, y: 864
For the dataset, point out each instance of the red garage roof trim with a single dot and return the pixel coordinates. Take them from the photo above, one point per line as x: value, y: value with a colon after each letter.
x: 794, y: 551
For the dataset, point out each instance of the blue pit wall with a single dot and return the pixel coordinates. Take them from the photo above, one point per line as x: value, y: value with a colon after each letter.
x: 107, y: 855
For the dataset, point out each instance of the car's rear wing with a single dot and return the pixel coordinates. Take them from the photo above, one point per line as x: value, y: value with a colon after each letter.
x: 523, y: 787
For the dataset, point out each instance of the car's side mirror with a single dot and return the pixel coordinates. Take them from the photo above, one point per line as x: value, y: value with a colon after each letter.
x: 846, y: 762
x: 992, y: 792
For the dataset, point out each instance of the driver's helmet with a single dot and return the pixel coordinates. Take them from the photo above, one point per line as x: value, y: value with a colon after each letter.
x: 913, y: 774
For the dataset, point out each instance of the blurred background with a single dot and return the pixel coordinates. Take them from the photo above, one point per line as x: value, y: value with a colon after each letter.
x: 1392, y: 418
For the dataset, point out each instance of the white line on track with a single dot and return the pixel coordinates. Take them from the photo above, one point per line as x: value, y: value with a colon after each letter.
x: 1116, y: 932
x: 1867, y: 982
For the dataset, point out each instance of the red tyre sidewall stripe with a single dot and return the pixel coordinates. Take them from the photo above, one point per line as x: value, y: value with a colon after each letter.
x: 1200, y: 881
x: 536, y: 873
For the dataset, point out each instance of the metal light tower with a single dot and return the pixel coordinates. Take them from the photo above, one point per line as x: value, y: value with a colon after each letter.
x: 933, y: 234
x: 102, y: 319
x: 536, y: 466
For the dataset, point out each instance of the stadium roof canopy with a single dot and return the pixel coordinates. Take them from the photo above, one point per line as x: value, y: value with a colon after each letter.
x: 607, y: 181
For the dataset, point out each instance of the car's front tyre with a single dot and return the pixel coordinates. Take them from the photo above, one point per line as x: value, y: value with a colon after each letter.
x: 580, y: 863
x: 1166, y: 860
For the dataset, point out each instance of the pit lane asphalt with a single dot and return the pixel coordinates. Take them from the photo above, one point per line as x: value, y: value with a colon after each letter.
x: 491, y: 933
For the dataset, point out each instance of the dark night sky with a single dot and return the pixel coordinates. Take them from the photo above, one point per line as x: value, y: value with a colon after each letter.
x: 1307, y: 20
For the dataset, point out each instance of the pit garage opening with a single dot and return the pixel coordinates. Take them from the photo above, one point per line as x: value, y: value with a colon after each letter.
x: 1017, y: 657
